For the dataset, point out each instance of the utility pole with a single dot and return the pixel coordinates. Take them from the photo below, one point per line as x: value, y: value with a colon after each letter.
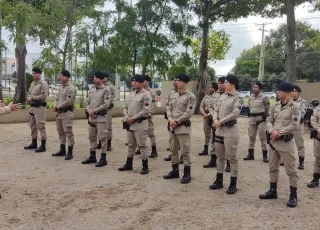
x: 1, y: 94
x: 117, y: 77
x: 261, y: 65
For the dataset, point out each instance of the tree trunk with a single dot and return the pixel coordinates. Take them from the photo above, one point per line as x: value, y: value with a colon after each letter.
x: 1, y: 93
x: 68, y: 35
x: 203, y: 62
x: 134, y: 62
x: 21, y: 53
x: 290, y: 41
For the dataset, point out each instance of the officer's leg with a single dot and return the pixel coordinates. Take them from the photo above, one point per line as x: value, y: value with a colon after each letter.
x: 231, y: 145
x: 289, y: 161
x: 263, y: 139
x: 174, y: 148
x: 316, y: 170
x: 252, y: 131
x: 154, y: 152
x: 40, y: 117
x: 109, y: 137
x: 141, y: 137
x: 213, y: 157
x: 168, y: 158
x: 207, y: 137
x: 221, y: 159
x: 93, y: 144
x: 184, y: 143
x: 62, y: 138
x: 298, y: 136
x: 68, y: 128
x: 34, y: 132
x: 132, y: 145
x: 102, y: 128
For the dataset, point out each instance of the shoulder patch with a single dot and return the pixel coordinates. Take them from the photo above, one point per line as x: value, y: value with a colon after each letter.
x: 146, y: 104
x: 147, y: 99
x: 296, y: 112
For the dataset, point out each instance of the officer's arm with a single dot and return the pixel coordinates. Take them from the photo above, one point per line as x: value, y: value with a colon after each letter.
x: 266, y: 103
x: 315, y: 119
x: 146, y: 107
x: 270, y: 119
x: 303, y: 108
x: 202, y: 107
x: 88, y: 101
x: 153, y: 104
x: 169, y: 108
x: 106, y: 101
x: 56, y: 98
x: 295, y: 121
x: 5, y: 110
x: 71, y: 97
x: 112, y: 93
x: 44, y: 92
x: 237, y: 106
x: 190, y: 109
x: 125, y: 109
x: 212, y: 106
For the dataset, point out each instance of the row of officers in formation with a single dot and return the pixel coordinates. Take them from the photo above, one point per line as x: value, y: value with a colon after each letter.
x: 280, y: 126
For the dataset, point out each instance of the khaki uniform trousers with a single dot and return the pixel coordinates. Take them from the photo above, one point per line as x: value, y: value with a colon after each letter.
x: 151, y: 132
x: 290, y: 165
x: 227, y: 149
x: 109, y: 118
x: 101, y: 130
x: 37, y: 122
x: 65, y: 128
x: 298, y: 138
x: 137, y: 138
x: 207, y: 129
x: 261, y: 130
x: 182, y: 142
x: 316, y: 151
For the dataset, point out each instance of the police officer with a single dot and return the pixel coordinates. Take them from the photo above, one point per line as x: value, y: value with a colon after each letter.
x: 298, y: 135
x: 37, y: 96
x: 64, y: 106
x: 207, y: 118
x: 130, y: 95
x: 215, y: 99
x: 136, y: 111
x: 179, y: 112
x: 283, y: 120
x: 98, y: 103
x: 227, y: 135
x: 259, y: 106
x: 315, y: 123
x: 112, y: 89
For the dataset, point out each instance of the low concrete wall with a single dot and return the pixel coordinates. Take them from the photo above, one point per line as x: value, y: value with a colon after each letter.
x: 23, y: 115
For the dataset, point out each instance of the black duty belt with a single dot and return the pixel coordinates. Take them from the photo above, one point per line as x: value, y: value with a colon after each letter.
x: 219, y: 139
x: 256, y: 114
x: 230, y: 123
x: 285, y: 138
x: 111, y: 106
x: 66, y: 109
x: 37, y: 104
x: 126, y: 126
x: 186, y: 123
x: 101, y: 113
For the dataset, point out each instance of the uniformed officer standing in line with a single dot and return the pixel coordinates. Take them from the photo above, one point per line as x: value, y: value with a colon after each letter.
x: 37, y: 96
x: 298, y: 135
x: 112, y: 89
x: 64, y: 106
x: 227, y: 135
x: 180, y: 111
x: 136, y: 111
x: 259, y: 106
x: 283, y: 120
x: 98, y: 103
x: 207, y: 118
x: 215, y: 100
x: 315, y: 134
x: 130, y: 95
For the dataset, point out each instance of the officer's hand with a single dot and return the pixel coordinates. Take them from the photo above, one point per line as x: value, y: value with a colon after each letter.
x: 1, y: 104
x: 206, y: 115
x: 275, y: 135
x: 173, y: 124
x: 216, y: 123
x: 55, y: 109
x: 94, y: 116
x: 129, y: 120
x: 29, y: 99
x: 14, y: 107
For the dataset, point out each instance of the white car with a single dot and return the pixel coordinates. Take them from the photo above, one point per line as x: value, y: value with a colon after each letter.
x: 55, y: 86
x: 245, y: 94
x: 271, y: 95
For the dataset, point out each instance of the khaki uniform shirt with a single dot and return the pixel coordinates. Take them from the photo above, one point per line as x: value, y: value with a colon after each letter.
x: 286, y: 120
x: 259, y: 104
x: 98, y: 100
x: 39, y: 90
x: 5, y: 110
x: 138, y: 106
x: 227, y: 109
x: 205, y: 104
x: 315, y: 120
x: 181, y: 109
x: 214, y: 102
x: 66, y: 97
x: 112, y: 91
x: 303, y: 106
x: 172, y: 95
x: 154, y: 98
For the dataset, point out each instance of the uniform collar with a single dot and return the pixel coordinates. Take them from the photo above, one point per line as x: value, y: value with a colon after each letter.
x: 36, y: 82
x: 187, y: 91
x: 231, y: 93
x: 259, y: 95
x: 101, y: 87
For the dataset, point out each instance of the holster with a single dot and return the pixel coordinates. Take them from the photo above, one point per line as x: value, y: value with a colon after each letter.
x: 126, y: 125
x: 210, y: 122
x: 165, y: 115
x: 230, y: 123
x: 37, y: 103
x: 89, y: 123
x: 101, y: 113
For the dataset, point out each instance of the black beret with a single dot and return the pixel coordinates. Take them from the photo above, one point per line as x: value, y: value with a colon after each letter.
x: 183, y: 77
x: 222, y: 79
x: 279, y: 81
x: 214, y: 85
x: 231, y: 78
x: 36, y: 70
x: 65, y: 73
x: 147, y: 77
x: 99, y: 75
x: 106, y: 75
x: 297, y: 88
x: 285, y: 87
x: 259, y: 84
x: 139, y: 78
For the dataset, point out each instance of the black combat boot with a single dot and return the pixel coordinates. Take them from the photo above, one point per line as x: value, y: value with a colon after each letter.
x: 293, y: 200
x: 250, y: 156
x: 42, y: 147
x: 212, y: 163
x: 186, y: 175
x: 70, y: 153
x: 127, y: 166
x: 109, y: 145
x: 99, y: 145
x: 181, y: 160
x: 271, y: 194
x: 102, y: 162
x: 33, y: 145
x: 218, y: 183
x: 301, y: 163
x: 154, y: 152
x: 61, y: 152
x: 167, y: 149
x: 205, y: 151
x: 233, y: 186
x: 315, y: 182
x: 168, y: 158
x: 228, y: 169
x: 92, y: 158
x: 137, y: 152
x: 265, y: 156
x: 174, y: 173
x: 281, y: 163
x: 145, y: 168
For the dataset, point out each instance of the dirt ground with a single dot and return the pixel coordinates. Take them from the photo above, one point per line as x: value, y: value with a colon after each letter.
x: 42, y: 192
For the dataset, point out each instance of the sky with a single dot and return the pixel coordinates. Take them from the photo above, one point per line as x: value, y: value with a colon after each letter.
x: 244, y: 34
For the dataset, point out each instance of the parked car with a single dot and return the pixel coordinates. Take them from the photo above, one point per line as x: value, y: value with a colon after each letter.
x: 55, y: 86
x: 245, y: 94
x: 270, y: 95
